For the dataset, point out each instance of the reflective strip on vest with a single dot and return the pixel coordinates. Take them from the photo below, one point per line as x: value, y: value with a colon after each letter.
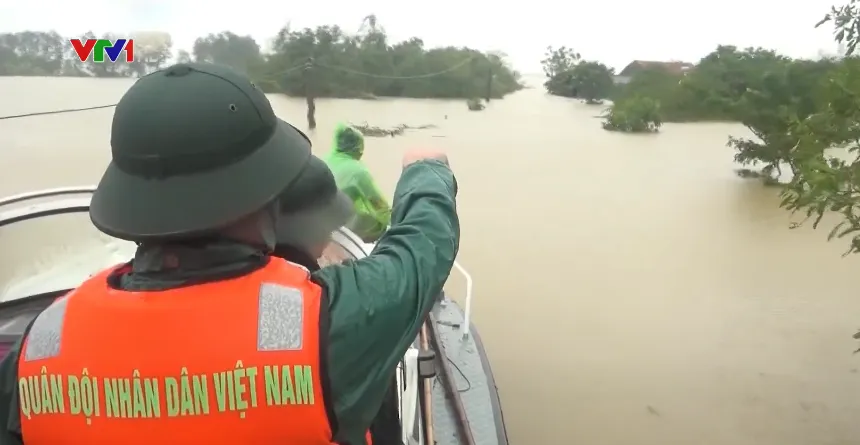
x: 46, y: 334
x: 280, y: 323
x: 206, y: 364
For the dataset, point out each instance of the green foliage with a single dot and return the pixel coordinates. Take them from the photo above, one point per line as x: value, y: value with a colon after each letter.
x: 784, y: 96
x: 806, y: 115
x: 325, y: 62
x: 558, y: 60
x: 827, y: 156
x: 658, y: 84
x: 340, y: 62
x: 846, y: 25
x: 591, y: 81
x: 712, y: 90
x: 636, y: 114
x: 557, y: 65
x: 788, y: 106
x: 241, y: 53
x: 569, y: 76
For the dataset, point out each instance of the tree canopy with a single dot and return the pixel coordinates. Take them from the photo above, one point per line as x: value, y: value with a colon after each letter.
x: 325, y: 59
x: 568, y: 75
x: 826, y: 157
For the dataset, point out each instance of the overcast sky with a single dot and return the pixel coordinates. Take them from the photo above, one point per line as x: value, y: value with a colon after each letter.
x: 614, y: 32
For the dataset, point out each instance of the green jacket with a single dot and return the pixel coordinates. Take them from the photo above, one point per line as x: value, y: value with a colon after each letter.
x: 388, y: 294
x: 373, y: 214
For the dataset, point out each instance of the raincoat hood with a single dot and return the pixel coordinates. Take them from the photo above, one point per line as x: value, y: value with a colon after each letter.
x: 348, y: 140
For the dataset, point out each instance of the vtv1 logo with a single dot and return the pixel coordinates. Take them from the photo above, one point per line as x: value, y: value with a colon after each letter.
x: 98, y: 48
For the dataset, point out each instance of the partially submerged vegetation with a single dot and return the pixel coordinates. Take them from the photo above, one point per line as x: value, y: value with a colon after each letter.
x: 803, y: 114
x: 569, y: 76
x: 325, y: 59
x: 636, y: 115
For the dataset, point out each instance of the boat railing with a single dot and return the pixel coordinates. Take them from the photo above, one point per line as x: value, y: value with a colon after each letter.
x: 407, y: 378
x: 47, y: 193
x: 47, y: 208
x: 467, y: 310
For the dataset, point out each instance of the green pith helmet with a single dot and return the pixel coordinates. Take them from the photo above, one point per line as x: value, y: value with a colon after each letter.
x: 195, y: 147
x: 312, y: 208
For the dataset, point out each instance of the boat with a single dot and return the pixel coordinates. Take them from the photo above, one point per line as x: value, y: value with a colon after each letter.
x: 462, y: 409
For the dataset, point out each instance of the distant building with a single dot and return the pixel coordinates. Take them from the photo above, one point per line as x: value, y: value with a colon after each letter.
x: 638, y: 65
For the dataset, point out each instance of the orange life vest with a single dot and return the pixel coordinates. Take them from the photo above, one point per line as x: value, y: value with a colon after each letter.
x: 230, y: 362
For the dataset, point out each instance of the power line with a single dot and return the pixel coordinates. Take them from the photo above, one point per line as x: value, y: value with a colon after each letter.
x: 284, y: 72
x: 272, y: 77
x: 419, y: 76
x: 68, y: 110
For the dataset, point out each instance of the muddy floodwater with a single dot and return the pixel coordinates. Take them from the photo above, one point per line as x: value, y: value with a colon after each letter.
x: 631, y: 290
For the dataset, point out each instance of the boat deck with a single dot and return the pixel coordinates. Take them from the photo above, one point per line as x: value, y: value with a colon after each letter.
x: 472, y: 379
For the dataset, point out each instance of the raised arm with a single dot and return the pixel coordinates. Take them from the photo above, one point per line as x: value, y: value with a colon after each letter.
x: 377, y: 304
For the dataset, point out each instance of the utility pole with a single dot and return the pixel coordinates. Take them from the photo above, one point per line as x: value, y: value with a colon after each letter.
x: 309, y: 93
x: 489, y: 82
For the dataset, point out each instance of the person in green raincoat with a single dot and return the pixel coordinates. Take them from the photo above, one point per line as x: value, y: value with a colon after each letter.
x: 372, y: 211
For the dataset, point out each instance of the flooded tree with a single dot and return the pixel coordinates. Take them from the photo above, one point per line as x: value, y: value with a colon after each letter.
x: 828, y: 151
x: 31, y: 53
x: 765, y: 91
x: 557, y: 65
x: 591, y: 81
x: 712, y: 90
x: 367, y: 64
x: 558, y: 60
x: 568, y: 75
x: 788, y: 93
x: 803, y: 115
x: 241, y: 53
x: 634, y: 115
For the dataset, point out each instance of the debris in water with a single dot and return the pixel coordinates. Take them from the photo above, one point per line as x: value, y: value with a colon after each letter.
x: 857, y: 337
x: 380, y: 132
x: 475, y: 104
x: 653, y: 411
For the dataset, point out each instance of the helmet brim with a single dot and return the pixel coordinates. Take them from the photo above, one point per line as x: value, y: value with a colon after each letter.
x: 138, y: 209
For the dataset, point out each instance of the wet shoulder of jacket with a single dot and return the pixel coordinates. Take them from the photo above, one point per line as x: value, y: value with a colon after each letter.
x: 10, y: 411
x: 377, y: 304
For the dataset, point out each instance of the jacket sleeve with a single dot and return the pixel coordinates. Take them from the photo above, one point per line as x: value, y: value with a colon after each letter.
x: 377, y: 304
x: 377, y: 202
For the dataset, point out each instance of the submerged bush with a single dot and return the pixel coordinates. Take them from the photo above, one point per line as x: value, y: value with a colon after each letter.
x: 635, y: 115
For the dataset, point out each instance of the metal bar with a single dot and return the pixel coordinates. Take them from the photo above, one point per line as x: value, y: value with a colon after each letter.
x: 64, y: 206
x: 427, y: 386
x: 467, y: 312
x: 47, y: 194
